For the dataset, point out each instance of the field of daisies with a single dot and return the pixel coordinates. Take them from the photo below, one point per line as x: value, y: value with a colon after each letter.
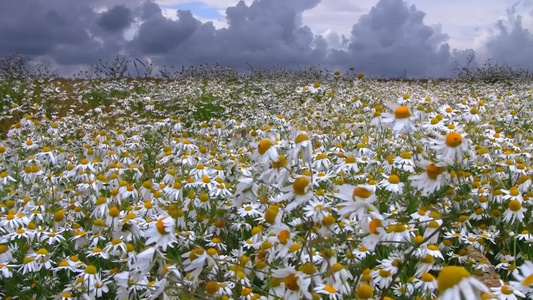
x: 265, y: 188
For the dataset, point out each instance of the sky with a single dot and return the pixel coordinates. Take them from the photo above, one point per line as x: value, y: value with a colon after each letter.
x: 382, y: 38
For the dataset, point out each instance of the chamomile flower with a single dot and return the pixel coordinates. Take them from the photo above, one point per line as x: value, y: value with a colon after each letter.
x: 451, y: 147
x: 357, y: 200
x: 514, y: 212
x: 304, y: 146
x: 161, y: 232
x: 266, y: 152
x: 455, y: 282
x: 426, y: 283
x: 392, y: 184
x: 402, y: 121
x: 296, y: 283
x: 506, y: 292
x: 433, y: 178
x: 523, y: 276
x: 250, y: 209
x: 298, y: 193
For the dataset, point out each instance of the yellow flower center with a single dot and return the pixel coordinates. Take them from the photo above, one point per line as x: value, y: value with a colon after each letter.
x: 454, y: 139
x: 263, y: 146
x: 349, y: 160
x: 374, y: 225
x: 307, y: 268
x: 528, y: 281
x: 406, y: 155
x: 426, y: 277
x: 280, y: 163
x: 434, y: 171
x: 283, y: 236
x: 301, y: 137
x: 433, y: 247
x: 506, y: 290
x: 398, y: 228
x: 402, y: 112
x: 330, y: 289
x: 300, y: 184
x: 328, y: 220
x: 384, y: 273
x: 161, y: 226
x: 394, y: 179
x: 515, y: 205
x: 114, y: 212
x: 361, y: 192
x: 90, y: 269
x: 212, y: 287
x: 365, y: 292
x: 195, y: 253
x: 450, y: 276
x: 291, y: 282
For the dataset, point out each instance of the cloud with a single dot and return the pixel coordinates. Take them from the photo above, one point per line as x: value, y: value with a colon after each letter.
x: 159, y: 35
x: 267, y: 32
x: 117, y: 18
x: 64, y: 32
x: 509, y: 41
x: 390, y: 39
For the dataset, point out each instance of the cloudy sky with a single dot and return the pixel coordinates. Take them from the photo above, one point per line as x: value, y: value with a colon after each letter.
x: 382, y: 38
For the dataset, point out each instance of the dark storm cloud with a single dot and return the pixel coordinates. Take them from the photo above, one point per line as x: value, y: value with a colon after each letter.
x: 159, y: 35
x: 117, y: 18
x: 392, y: 38
x: 511, y: 42
x: 268, y: 32
x: 65, y: 32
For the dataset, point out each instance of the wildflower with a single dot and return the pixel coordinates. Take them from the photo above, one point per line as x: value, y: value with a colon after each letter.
x: 432, y: 179
x: 296, y: 283
x: 523, y: 278
x: 402, y: 121
x: 161, y: 232
x: 358, y: 200
x: 514, y: 212
x: 303, y: 145
x: 392, y: 184
x: 455, y: 282
x: 299, y: 192
x: 452, y: 146
x: 267, y: 152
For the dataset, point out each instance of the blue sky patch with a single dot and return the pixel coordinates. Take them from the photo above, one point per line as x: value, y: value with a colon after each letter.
x: 198, y: 9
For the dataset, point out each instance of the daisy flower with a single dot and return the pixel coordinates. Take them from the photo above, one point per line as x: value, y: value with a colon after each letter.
x: 250, y: 209
x: 432, y: 179
x: 506, y: 292
x: 426, y: 283
x: 392, y: 184
x: 303, y: 145
x: 455, y: 282
x: 296, y: 283
x: 161, y: 233
x: 358, y: 199
x: 451, y: 147
x: 405, y: 162
x: 329, y: 290
x: 267, y: 152
x: 523, y: 278
x: 515, y: 212
x: 300, y: 192
x: 402, y: 121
